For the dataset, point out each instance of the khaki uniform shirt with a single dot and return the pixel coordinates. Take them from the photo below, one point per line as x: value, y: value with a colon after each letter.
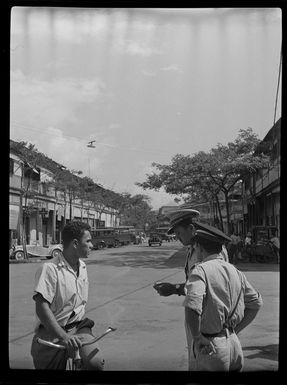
x: 66, y: 292
x: 192, y: 259
x: 212, y: 289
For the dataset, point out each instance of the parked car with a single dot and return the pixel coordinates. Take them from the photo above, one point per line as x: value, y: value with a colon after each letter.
x: 154, y: 240
x: 164, y: 237
x: 17, y: 251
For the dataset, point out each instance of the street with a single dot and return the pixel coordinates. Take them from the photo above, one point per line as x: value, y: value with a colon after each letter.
x: 150, y: 329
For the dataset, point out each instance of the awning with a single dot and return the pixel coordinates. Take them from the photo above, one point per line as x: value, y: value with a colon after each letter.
x: 13, y: 217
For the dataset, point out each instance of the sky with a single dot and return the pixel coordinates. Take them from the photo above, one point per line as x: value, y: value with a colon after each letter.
x: 145, y: 84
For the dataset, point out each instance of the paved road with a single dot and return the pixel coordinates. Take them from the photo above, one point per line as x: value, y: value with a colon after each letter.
x: 150, y: 332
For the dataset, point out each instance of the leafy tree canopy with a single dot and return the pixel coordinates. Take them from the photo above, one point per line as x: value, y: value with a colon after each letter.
x: 208, y: 172
x: 202, y: 176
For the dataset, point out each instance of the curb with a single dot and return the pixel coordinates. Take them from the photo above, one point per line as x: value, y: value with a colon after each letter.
x: 15, y: 261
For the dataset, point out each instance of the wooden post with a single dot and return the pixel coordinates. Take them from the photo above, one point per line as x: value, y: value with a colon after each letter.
x: 54, y: 224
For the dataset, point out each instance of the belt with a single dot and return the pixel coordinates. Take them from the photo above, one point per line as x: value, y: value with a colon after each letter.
x: 71, y: 325
x: 223, y: 332
x: 66, y: 327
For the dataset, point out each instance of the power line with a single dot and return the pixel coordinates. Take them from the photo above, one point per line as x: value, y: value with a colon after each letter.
x: 24, y: 127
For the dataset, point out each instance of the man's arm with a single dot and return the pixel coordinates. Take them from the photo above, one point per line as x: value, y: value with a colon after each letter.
x: 249, y: 315
x: 193, y: 320
x: 47, y: 317
x: 49, y: 321
x: 252, y: 302
x: 166, y: 289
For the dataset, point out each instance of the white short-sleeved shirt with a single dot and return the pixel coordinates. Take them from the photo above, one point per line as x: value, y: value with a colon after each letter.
x: 66, y: 292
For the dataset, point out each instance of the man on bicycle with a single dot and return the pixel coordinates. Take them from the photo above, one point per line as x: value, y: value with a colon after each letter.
x: 60, y: 295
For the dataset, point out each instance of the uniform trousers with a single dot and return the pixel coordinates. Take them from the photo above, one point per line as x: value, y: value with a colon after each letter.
x: 45, y: 357
x: 228, y: 356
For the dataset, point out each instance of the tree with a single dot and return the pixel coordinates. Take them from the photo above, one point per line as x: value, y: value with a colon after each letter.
x: 208, y: 173
x: 137, y: 210
x: 134, y: 210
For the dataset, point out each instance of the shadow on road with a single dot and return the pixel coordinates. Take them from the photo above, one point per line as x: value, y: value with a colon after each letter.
x: 157, y: 257
x: 151, y: 258
x: 269, y: 352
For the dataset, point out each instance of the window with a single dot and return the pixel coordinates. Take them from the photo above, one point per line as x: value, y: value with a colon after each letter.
x: 33, y: 173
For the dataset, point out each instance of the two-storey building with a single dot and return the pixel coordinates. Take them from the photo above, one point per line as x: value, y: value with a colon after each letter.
x: 262, y: 189
x: 41, y: 211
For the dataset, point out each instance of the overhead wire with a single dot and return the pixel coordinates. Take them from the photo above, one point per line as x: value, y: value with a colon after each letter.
x: 25, y: 127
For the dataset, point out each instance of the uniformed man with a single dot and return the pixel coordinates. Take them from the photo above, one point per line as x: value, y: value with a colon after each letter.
x: 186, y: 219
x: 189, y: 220
x: 219, y: 301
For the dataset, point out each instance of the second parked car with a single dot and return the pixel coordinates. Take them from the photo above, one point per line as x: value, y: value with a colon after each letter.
x: 154, y: 240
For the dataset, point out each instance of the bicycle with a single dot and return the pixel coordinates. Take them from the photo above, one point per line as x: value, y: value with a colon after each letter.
x: 75, y: 363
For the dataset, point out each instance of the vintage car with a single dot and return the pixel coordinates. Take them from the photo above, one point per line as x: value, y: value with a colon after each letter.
x: 17, y: 251
x: 154, y: 240
x: 164, y: 236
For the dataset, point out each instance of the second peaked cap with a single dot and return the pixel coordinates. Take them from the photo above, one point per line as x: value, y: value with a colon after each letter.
x: 176, y: 216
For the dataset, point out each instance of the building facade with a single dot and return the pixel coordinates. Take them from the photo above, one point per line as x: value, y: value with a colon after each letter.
x: 15, y: 183
x: 39, y: 212
x: 262, y: 189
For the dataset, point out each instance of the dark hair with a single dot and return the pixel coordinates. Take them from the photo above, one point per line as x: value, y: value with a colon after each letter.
x: 209, y: 246
x: 74, y: 230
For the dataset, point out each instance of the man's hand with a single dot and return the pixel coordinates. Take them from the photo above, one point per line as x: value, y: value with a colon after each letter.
x: 203, y: 345
x: 72, y: 344
x: 165, y: 289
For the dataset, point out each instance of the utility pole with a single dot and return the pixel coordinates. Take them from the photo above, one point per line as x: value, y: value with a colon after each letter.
x: 242, y: 200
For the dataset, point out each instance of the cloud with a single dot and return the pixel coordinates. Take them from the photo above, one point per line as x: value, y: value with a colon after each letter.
x: 39, y: 110
x: 52, y: 102
x: 57, y: 64
x: 148, y: 73
x: 172, y: 67
x: 114, y: 126
x: 69, y: 151
x: 136, y: 48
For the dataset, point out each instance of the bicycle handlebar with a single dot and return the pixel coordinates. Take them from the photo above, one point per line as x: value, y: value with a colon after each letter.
x: 58, y: 346
x: 49, y: 343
